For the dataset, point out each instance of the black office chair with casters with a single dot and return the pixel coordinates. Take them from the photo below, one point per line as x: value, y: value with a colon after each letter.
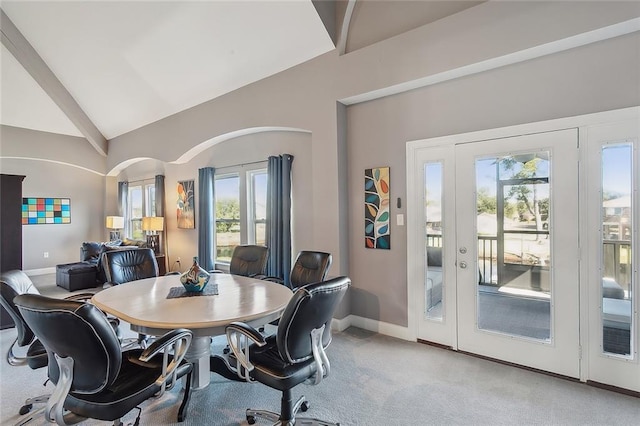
x: 295, y: 354
x: 248, y: 261
x: 122, y: 266
x: 12, y: 284
x: 93, y: 377
x: 309, y: 267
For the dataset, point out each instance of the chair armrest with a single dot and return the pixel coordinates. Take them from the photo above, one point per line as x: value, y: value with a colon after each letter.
x: 172, y: 273
x: 86, y: 297
x: 239, y: 336
x: 81, y: 297
x: 273, y: 279
x: 319, y: 356
x: 165, y: 340
x: 176, y: 341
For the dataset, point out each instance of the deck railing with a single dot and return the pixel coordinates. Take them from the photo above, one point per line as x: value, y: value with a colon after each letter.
x: 616, y: 258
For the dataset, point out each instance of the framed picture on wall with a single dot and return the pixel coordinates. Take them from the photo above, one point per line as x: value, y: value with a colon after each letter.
x: 186, y: 204
x: 46, y: 211
x: 376, y: 208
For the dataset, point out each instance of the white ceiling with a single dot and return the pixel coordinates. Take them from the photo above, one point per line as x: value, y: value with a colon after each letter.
x: 128, y: 64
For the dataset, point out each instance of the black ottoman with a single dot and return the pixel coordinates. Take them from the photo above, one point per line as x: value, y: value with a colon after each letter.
x: 76, y: 276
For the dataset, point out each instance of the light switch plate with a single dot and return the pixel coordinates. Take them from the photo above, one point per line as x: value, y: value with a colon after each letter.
x: 400, y: 219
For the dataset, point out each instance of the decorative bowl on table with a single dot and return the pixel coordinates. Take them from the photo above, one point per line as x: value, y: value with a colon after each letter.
x: 195, y: 279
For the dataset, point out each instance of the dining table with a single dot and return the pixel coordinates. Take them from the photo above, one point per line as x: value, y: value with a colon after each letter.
x: 154, y: 306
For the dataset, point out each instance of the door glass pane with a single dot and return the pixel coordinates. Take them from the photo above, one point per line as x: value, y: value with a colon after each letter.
x: 514, y: 250
x: 616, y: 267
x: 434, y: 247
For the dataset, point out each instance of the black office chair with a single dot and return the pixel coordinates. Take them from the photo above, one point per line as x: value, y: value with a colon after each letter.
x: 122, y: 266
x: 12, y: 284
x: 295, y: 354
x: 93, y: 377
x: 309, y: 267
x: 248, y: 261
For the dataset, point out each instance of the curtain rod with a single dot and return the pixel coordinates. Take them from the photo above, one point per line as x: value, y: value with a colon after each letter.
x: 217, y: 168
x: 240, y: 165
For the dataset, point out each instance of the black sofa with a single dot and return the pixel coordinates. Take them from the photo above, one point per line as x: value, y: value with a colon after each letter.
x: 91, y: 252
x: 88, y: 272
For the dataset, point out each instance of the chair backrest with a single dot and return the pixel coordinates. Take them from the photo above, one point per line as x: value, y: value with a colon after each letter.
x: 310, y: 307
x: 122, y: 266
x: 309, y: 267
x: 77, y: 330
x: 249, y: 260
x: 12, y: 284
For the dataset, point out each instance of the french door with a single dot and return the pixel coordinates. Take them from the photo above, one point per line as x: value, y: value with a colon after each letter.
x: 499, y: 274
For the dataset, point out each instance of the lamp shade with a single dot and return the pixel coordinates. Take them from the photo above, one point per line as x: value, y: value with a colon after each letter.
x: 152, y: 223
x: 115, y: 222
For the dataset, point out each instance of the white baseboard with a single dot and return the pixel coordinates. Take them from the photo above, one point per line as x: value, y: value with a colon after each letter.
x: 42, y: 271
x: 372, y: 325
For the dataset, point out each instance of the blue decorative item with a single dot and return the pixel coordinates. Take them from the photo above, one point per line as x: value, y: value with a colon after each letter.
x: 196, y: 278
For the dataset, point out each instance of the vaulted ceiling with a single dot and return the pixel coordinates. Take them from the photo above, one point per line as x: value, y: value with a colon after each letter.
x: 99, y: 69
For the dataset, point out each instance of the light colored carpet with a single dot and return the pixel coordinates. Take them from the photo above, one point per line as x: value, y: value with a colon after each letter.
x: 377, y: 380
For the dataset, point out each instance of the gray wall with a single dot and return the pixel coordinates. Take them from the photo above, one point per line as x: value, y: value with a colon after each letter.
x: 598, y: 77
x: 53, y: 178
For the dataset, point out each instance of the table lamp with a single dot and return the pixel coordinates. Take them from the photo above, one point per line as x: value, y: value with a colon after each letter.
x: 115, y: 223
x: 153, y: 224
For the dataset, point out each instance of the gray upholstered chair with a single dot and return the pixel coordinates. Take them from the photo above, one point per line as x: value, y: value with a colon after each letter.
x: 295, y: 354
x: 93, y: 377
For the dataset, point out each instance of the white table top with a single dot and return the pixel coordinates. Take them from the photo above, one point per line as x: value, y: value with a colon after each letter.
x: 145, y: 306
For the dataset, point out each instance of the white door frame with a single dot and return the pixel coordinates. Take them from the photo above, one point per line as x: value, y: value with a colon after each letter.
x: 414, y: 239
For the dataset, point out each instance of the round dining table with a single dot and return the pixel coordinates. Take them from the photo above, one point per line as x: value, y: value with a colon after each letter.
x: 145, y: 304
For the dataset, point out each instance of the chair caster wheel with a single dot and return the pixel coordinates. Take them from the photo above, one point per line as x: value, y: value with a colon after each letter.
x: 25, y: 409
x: 251, y: 420
x: 305, y: 406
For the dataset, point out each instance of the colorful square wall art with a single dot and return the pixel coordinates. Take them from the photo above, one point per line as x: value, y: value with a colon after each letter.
x: 42, y: 211
x: 186, y: 205
x: 376, y: 208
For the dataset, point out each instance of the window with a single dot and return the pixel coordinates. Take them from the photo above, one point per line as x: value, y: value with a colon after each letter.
x: 258, y: 206
x: 241, y: 211
x: 142, y: 202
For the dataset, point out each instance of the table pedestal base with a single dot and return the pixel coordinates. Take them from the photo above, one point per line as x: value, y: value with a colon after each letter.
x: 198, y: 355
